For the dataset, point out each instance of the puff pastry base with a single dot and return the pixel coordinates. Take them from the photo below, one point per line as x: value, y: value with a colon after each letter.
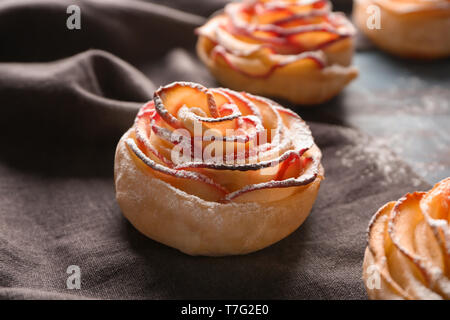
x: 300, y: 85
x: 409, y: 31
x: 198, y: 227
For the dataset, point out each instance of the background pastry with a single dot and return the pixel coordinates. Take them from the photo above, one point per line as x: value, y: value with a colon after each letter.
x: 255, y: 193
x: 407, y: 28
x: 408, y: 254
x: 297, y: 50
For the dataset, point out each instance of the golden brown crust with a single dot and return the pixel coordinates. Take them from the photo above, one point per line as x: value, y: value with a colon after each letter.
x: 198, y: 227
x: 298, y: 51
x: 410, y: 29
x: 216, y: 172
x: 408, y: 252
x: 307, y: 86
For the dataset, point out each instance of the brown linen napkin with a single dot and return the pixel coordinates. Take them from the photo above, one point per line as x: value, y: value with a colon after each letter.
x: 59, y: 124
x: 57, y: 205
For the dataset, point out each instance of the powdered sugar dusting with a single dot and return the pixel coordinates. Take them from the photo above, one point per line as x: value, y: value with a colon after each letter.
x: 278, y: 44
x: 374, y: 151
x: 415, y: 115
x: 408, y: 227
x: 289, y: 137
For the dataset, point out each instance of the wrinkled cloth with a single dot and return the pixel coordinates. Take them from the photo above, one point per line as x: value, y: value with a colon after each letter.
x: 66, y: 97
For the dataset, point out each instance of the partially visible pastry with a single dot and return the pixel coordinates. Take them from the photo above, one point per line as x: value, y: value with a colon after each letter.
x: 216, y: 172
x: 296, y: 50
x: 408, y: 253
x: 407, y: 28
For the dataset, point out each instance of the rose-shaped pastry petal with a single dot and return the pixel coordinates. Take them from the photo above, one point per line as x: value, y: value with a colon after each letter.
x: 407, y: 28
x: 408, y: 254
x: 297, y: 50
x: 216, y: 172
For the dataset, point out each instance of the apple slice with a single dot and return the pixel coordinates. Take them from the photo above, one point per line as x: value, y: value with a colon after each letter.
x: 269, y: 191
x: 249, y: 66
x: 416, y: 242
x: 275, y: 189
x: 235, y: 45
x: 266, y: 107
x: 285, y: 28
x: 435, y: 207
x: 291, y: 167
x: 147, y: 111
x: 188, y: 181
x: 141, y: 134
x: 303, y: 139
x: 436, y: 202
x: 263, y: 67
x: 169, y: 99
x: 380, y: 246
x: 199, y: 125
x: 244, y: 104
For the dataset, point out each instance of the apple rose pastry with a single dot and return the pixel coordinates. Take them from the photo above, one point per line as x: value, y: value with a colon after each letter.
x: 407, y: 28
x: 408, y: 254
x: 216, y: 172
x: 293, y: 49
